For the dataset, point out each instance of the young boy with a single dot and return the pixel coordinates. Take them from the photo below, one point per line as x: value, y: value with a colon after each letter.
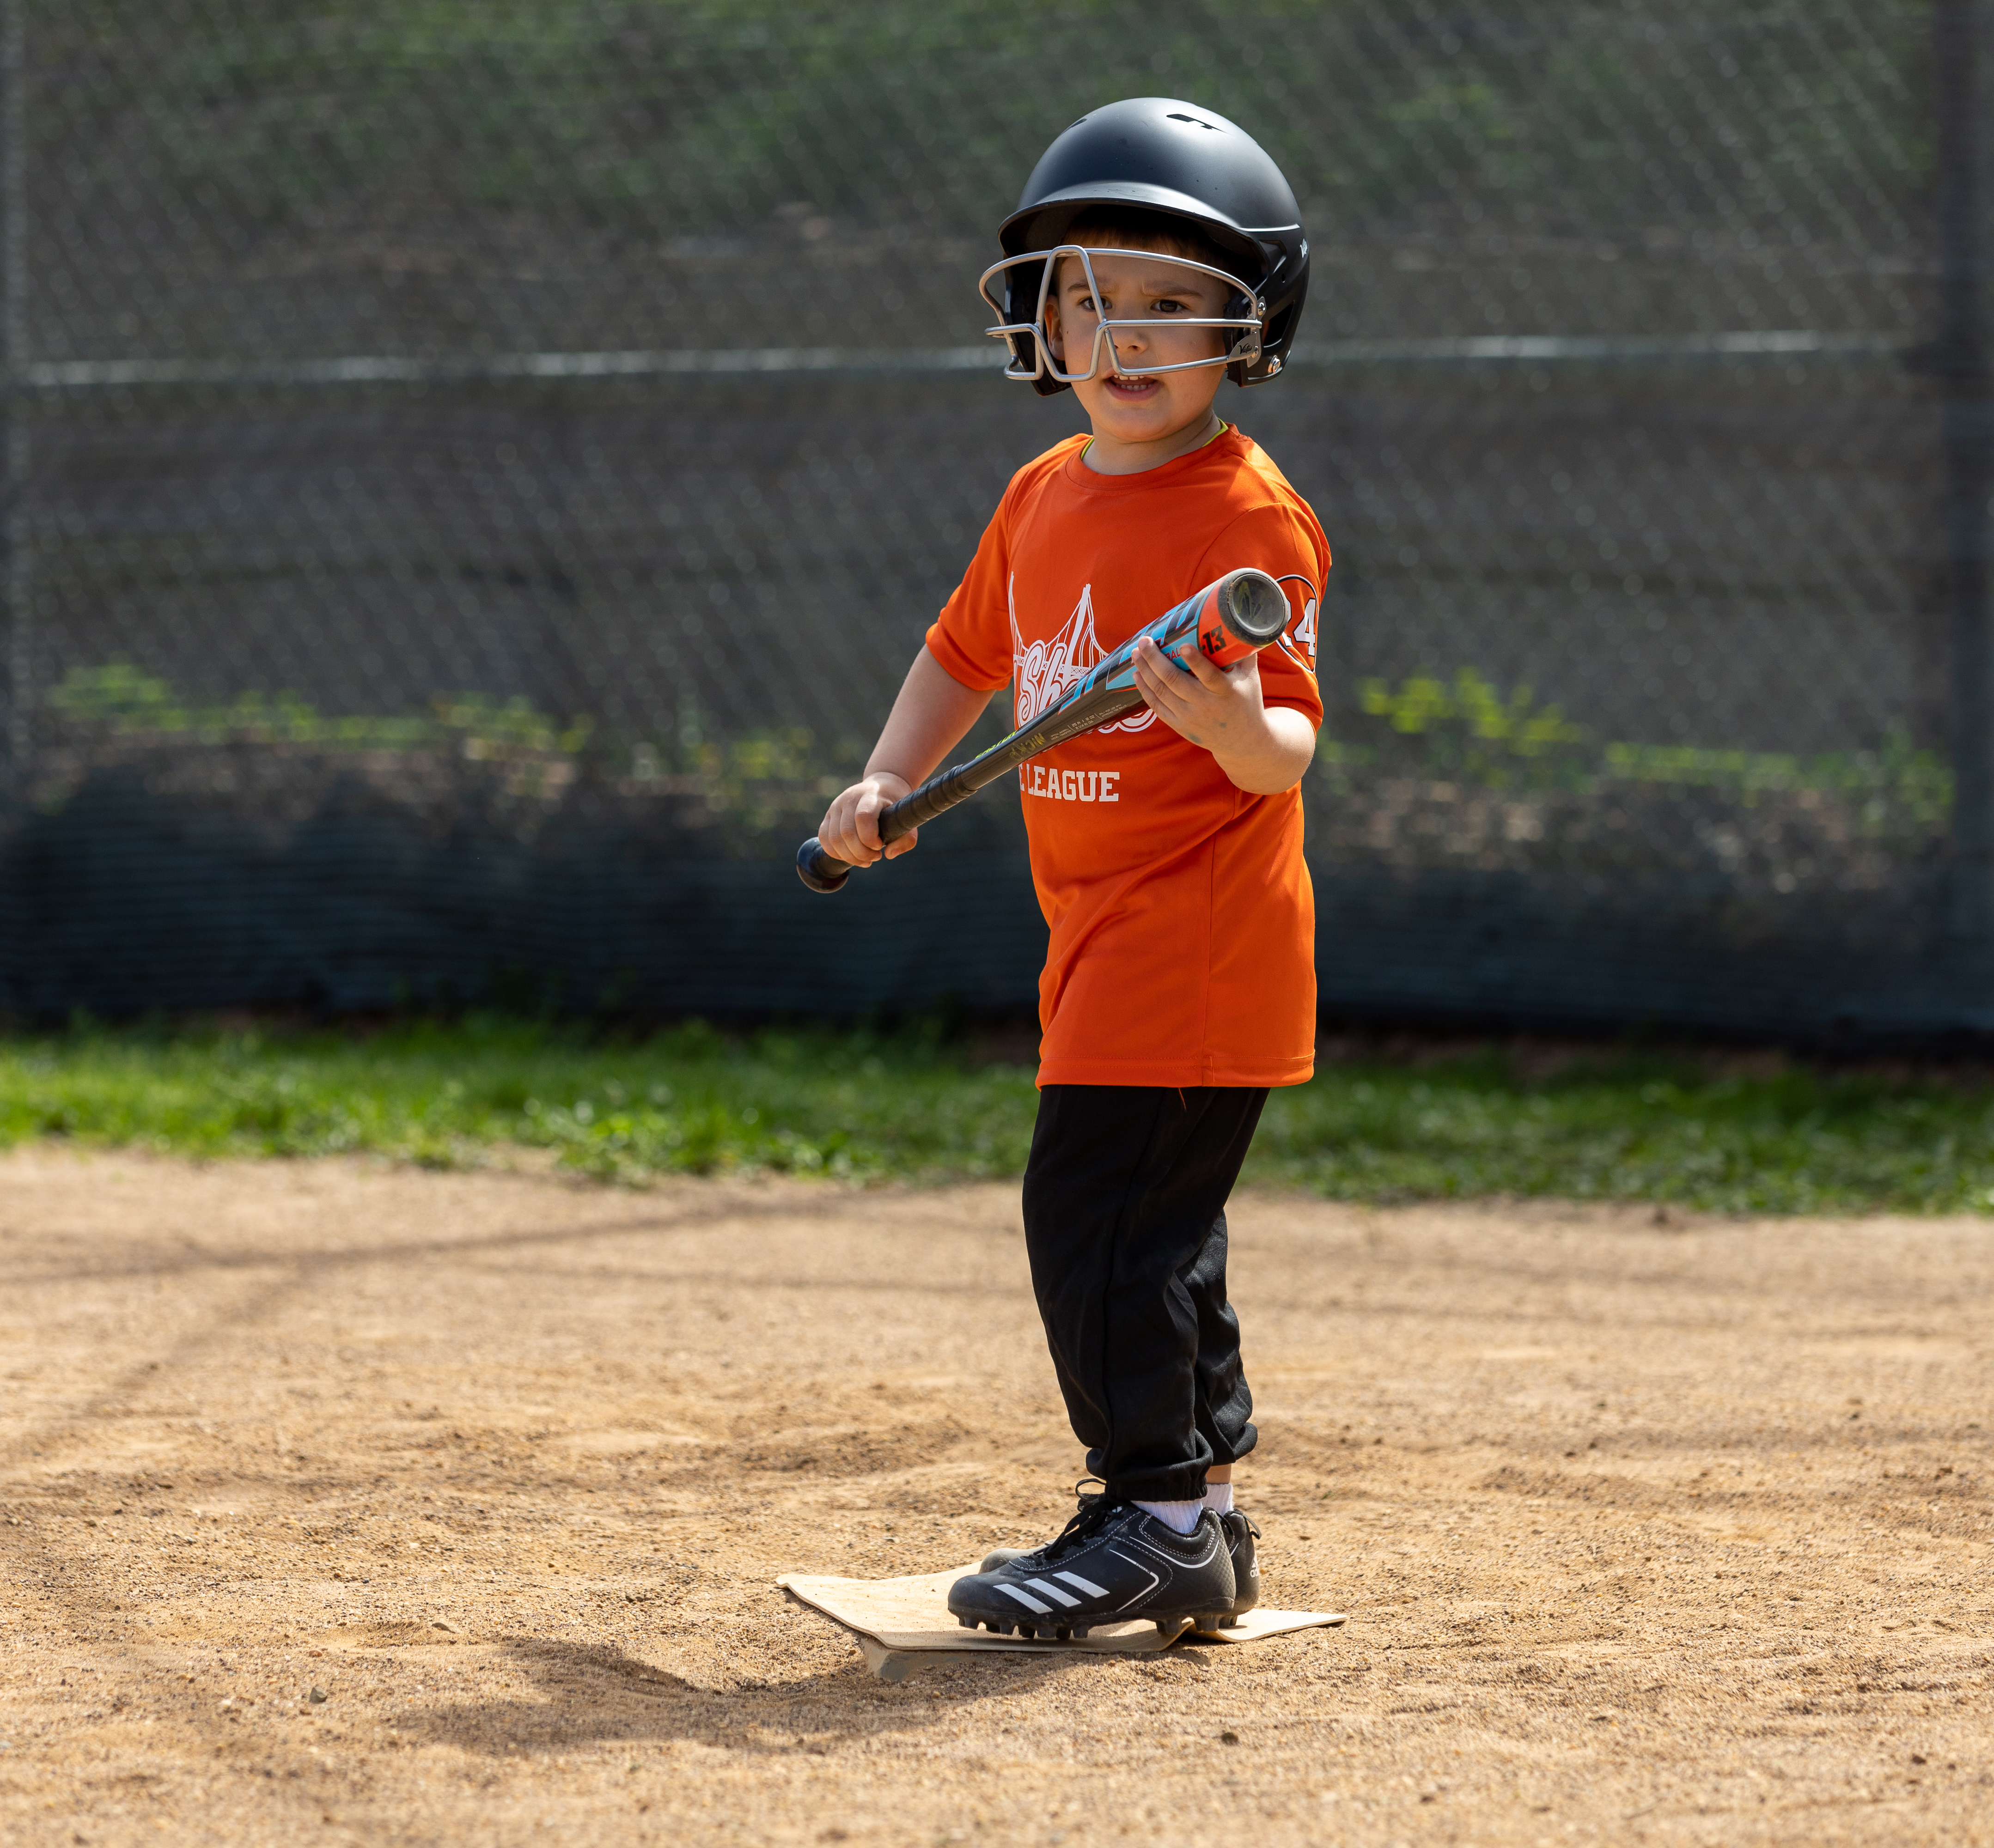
x: 1156, y: 249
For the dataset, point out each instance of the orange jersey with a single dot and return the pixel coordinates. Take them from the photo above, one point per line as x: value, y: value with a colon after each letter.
x: 1183, y: 948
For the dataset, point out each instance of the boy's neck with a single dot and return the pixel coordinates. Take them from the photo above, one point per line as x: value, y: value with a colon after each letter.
x: 1110, y: 456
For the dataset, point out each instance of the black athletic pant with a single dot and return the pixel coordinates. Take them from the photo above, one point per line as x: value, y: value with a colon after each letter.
x: 1125, y: 1224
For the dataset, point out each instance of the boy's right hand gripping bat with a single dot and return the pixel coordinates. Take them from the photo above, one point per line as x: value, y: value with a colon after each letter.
x: 1236, y: 616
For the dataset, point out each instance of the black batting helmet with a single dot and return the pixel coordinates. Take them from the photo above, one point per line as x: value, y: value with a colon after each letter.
x: 1154, y: 154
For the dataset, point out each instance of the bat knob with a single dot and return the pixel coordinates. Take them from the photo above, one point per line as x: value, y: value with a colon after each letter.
x: 818, y: 871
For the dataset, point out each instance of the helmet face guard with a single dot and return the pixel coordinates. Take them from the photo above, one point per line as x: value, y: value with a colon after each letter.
x: 1032, y: 358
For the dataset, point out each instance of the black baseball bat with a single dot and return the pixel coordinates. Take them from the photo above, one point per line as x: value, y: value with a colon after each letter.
x: 1231, y: 617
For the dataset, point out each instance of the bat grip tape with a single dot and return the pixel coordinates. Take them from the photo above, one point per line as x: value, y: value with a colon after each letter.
x: 822, y: 874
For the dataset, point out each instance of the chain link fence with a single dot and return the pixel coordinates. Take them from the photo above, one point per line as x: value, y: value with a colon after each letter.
x: 476, y: 473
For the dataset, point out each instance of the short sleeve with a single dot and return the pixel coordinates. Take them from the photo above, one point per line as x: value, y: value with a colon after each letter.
x: 971, y: 640
x: 1289, y: 547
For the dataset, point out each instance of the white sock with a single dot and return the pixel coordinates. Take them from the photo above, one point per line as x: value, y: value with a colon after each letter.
x: 1179, y: 1517
x: 1218, y: 1496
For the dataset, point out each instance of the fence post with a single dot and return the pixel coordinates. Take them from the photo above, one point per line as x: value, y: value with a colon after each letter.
x: 1957, y: 48
x: 16, y: 561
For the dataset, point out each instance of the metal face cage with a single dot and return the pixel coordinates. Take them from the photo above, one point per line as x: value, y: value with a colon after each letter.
x: 1045, y: 364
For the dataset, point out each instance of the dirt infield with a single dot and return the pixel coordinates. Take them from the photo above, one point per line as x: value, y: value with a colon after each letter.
x: 1648, y: 1532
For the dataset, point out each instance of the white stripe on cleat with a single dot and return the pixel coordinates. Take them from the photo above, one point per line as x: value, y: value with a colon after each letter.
x: 1026, y: 1599
x: 1086, y: 1585
x: 1053, y: 1591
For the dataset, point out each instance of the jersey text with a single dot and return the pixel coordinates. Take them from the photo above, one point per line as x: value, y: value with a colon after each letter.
x: 1069, y: 786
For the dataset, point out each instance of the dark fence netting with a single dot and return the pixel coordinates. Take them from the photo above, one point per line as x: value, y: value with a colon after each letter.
x: 477, y: 470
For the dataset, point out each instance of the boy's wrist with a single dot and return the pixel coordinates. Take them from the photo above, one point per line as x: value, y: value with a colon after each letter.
x: 1272, y: 760
x: 1244, y: 743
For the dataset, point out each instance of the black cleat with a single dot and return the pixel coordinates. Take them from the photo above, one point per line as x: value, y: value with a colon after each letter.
x: 1113, y: 1564
x: 1240, y: 1534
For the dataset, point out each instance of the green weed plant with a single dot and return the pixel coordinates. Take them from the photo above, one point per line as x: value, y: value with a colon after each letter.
x: 1469, y: 727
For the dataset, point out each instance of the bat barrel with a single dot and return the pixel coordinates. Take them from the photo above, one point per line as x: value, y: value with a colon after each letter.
x: 1253, y: 606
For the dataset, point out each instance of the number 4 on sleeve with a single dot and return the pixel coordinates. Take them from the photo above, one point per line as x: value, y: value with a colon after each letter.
x: 1300, y: 641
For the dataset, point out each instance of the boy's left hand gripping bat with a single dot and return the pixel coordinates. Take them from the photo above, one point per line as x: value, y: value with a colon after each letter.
x: 1231, y: 617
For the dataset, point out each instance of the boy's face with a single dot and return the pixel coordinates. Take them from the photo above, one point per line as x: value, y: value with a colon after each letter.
x: 1152, y: 291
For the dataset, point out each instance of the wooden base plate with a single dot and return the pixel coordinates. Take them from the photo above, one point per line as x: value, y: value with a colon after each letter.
x: 903, y: 1624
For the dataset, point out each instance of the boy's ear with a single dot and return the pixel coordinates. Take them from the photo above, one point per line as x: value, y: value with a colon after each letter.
x: 1054, y: 344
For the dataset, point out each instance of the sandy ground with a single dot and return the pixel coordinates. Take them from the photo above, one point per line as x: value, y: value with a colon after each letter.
x: 1649, y: 1533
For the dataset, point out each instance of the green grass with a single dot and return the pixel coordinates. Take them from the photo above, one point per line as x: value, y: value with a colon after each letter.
x: 685, y: 1101
x: 1637, y: 1128
x: 914, y: 1105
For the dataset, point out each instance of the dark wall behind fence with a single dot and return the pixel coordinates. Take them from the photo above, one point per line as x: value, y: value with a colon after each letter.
x: 476, y: 474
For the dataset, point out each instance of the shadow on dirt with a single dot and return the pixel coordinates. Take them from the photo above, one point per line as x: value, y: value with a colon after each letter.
x: 590, y: 1693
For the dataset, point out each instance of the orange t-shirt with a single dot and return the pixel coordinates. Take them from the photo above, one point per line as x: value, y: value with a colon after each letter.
x: 1183, y: 948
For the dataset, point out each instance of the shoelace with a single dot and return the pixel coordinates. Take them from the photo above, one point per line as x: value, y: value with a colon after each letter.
x: 1093, y: 1514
